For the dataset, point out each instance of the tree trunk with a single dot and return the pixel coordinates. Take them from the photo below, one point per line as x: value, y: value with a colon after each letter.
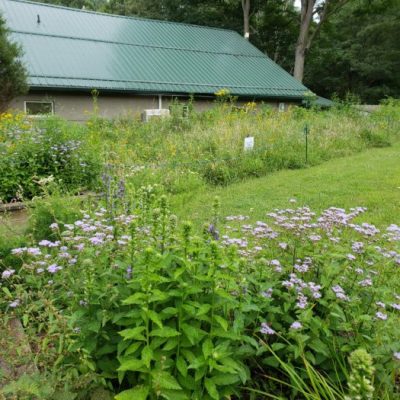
x: 246, y: 18
x: 307, y: 8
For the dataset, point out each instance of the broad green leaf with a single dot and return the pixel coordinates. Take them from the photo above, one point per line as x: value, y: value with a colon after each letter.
x: 164, y: 380
x: 222, y: 322
x: 193, y: 333
x: 165, y: 332
x: 154, y: 317
x: 132, y: 348
x: 137, y: 298
x: 225, y: 379
x: 173, y: 395
x: 131, y: 365
x: 204, y: 309
x: 182, y: 366
x: 137, y: 393
x: 147, y: 356
x: 134, y: 333
x: 278, y: 346
x: 207, y: 348
x: 171, y: 344
x: 211, y: 388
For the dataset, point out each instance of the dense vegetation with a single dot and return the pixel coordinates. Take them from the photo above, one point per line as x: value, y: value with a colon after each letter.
x: 181, y: 153
x: 129, y: 299
x: 114, y: 295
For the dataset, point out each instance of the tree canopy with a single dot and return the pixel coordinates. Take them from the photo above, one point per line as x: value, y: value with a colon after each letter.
x: 12, y: 71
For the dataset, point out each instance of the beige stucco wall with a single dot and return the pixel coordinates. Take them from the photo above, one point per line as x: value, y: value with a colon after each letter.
x: 79, y: 107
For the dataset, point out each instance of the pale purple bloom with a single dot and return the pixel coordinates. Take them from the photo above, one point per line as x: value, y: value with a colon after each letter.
x: 53, y: 268
x: 54, y: 226
x: 339, y: 292
x: 351, y: 257
x: 296, y: 325
x: 18, y: 251
x: 40, y: 270
x: 14, y: 304
x: 33, y: 251
x: 283, y: 245
x: 7, y: 273
x: 266, y: 329
x: 381, y: 316
x: 365, y: 282
x: 301, y: 301
x: 44, y: 243
x: 396, y: 355
x: 267, y: 294
x: 396, y: 306
x: 380, y: 304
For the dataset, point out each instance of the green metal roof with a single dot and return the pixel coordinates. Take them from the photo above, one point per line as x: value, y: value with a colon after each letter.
x: 76, y: 49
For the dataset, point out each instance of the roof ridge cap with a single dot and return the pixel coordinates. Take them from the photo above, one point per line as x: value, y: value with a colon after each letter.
x: 123, y: 16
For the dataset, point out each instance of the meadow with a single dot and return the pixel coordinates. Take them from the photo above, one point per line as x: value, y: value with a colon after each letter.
x: 198, y: 270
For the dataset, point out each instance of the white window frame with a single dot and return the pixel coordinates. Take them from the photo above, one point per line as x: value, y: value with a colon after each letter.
x: 39, y: 101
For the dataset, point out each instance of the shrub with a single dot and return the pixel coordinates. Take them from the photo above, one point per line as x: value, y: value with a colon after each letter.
x: 33, y: 152
x: 147, y: 308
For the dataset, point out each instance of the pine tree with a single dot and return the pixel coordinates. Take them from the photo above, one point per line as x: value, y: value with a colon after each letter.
x: 13, y: 78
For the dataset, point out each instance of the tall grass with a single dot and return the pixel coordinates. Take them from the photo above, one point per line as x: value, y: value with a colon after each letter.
x: 208, y: 147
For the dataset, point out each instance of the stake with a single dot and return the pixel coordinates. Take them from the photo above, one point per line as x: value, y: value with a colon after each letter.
x: 306, y: 131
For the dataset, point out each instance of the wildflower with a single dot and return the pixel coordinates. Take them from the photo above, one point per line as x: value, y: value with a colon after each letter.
x: 33, y: 251
x: 283, y: 245
x: 53, y: 268
x: 7, y: 273
x: 54, y: 226
x: 296, y: 325
x: 266, y: 329
x: 128, y: 274
x: 365, y: 282
x: 301, y: 301
x: 14, y: 304
x: 396, y: 355
x: 277, y: 265
x: 381, y: 316
x: 351, y: 257
x: 267, y: 294
x: 39, y: 270
x: 339, y: 292
x: 18, y: 251
x: 396, y: 306
x: 380, y: 304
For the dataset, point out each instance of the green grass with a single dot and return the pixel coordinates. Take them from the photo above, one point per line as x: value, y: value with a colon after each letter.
x: 370, y: 179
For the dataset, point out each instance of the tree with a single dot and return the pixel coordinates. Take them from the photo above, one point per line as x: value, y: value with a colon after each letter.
x: 313, y: 14
x: 13, y: 78
x: 358, y: 52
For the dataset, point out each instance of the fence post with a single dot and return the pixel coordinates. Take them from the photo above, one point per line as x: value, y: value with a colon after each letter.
x: 306, y: 132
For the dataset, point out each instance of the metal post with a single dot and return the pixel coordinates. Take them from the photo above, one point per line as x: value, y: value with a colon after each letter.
x: 306, y: 131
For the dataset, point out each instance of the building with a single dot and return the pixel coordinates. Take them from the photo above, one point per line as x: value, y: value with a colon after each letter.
x: 134, y: 63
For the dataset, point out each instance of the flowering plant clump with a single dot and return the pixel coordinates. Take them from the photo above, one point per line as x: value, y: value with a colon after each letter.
x: 154, y: 310
x: 30, y: 152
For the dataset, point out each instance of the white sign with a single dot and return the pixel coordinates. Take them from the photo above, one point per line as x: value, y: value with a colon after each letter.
x: 249, y: 143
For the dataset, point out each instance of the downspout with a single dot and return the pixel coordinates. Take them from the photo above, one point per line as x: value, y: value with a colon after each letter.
x: 159, y: 102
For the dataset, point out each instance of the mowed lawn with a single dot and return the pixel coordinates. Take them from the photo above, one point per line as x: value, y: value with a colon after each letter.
x: 370, y: 179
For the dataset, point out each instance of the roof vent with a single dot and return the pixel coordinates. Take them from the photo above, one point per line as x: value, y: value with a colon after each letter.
x: 38, y: 19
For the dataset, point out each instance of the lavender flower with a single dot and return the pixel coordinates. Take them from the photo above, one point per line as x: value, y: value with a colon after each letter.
x: 266, y: 329
x: 267, y: 294
x: 296, y: 325
x: 14, y: 304
x: 7, y: 273
x: 381, y: 316
x: 396, y: 355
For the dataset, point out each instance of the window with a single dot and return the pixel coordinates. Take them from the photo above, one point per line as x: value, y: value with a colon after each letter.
x: 39, y: 107
x: 281, y: 107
